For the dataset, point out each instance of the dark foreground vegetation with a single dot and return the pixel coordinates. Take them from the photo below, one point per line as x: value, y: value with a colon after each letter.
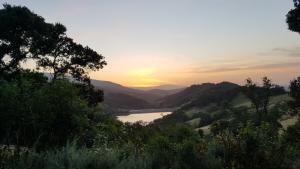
x: 59, y: 124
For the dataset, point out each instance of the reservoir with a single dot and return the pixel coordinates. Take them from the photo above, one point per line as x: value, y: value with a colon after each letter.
x: 145, y: 117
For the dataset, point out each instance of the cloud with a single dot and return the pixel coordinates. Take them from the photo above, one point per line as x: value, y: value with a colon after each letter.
x: 240, y: 68
x: 282, y: 50
x: 291, y: 52
x: 276, y: 58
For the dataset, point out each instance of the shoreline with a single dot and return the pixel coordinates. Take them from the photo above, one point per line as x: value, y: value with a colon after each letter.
x: 138, y: 111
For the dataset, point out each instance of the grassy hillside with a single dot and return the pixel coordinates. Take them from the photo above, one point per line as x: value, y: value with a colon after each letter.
x: 202, y: 116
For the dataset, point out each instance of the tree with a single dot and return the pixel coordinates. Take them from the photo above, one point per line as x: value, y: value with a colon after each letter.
x: 296, y: 3
x: 295, y: 94
x: 259, y: 143
x: 266, y: 94
x: 252, y: 93
x: 23, y: 35
x: 90, y: 94
x: 292, y: 18
x: 68, y: 57
x: 259, y: 96
x: 34, y: 112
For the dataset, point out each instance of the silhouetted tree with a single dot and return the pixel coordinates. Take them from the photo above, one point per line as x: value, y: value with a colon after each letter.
x: 90, y: 94
x: 252, y: 93
x: 259, y: 96
x: 296, y: 3
x: 23, y: 35
x: 295, y: 94
x: 68, y: 57
x: 266, y: 92
x: 292, y: 18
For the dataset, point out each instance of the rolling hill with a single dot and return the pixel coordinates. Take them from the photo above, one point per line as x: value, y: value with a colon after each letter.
x: 124, y: 101
x: 201, y: 105
x: 199, y: 94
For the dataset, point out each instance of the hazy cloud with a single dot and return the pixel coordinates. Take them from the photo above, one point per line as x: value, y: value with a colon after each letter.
x: 292, y: 52
x: 239, y: 68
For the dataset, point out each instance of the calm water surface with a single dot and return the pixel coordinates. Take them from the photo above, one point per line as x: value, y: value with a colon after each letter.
x: 144, y: 117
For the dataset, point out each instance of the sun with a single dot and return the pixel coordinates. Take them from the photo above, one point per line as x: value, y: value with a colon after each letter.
x: 144, y: 77
x: 145, y: 72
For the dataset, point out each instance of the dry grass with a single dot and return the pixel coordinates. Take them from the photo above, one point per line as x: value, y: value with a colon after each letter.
x: 288, y: 121
x: 205, y: 129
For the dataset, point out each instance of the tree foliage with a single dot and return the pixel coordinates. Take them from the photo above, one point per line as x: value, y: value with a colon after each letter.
x: 259, y: 96
x: 34, y: 112
x: 68, y: 57
x: 25, y: 35
x: 295, y: 94
x: 296, y: 3
x: 292, y: 17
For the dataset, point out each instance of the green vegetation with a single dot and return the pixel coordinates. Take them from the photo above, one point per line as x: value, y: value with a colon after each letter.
x: 59, y: 123
x: 199, y: 113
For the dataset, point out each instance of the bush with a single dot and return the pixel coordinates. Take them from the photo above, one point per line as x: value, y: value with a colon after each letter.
x: 42, y: 114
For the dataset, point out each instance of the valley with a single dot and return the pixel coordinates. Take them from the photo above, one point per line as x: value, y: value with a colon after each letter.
x: 199, y: 105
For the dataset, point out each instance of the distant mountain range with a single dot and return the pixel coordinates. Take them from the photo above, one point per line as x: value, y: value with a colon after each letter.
x: 161, y: 87
x: 198, y: 98
x: 119, y: 98
x: 197, y: 105
x: 122, y: 97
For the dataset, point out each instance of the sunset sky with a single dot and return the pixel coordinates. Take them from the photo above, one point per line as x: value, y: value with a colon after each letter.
x: 182, y: 42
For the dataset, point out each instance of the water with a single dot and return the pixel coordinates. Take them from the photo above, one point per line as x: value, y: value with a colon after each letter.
x: 146, y: 117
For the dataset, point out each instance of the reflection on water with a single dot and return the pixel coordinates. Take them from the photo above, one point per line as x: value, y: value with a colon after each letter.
x: 144, y: 117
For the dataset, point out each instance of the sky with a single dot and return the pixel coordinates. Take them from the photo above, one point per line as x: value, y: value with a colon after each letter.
x: 181, y: 42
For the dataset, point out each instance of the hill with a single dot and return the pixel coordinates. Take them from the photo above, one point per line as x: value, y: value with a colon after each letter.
x: 163, y: 93
x: 198, y: 94
x: 213, y: 102
x: 124, y: 101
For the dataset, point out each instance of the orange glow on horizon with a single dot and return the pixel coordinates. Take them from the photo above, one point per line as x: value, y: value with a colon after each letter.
x: 185, y: 76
